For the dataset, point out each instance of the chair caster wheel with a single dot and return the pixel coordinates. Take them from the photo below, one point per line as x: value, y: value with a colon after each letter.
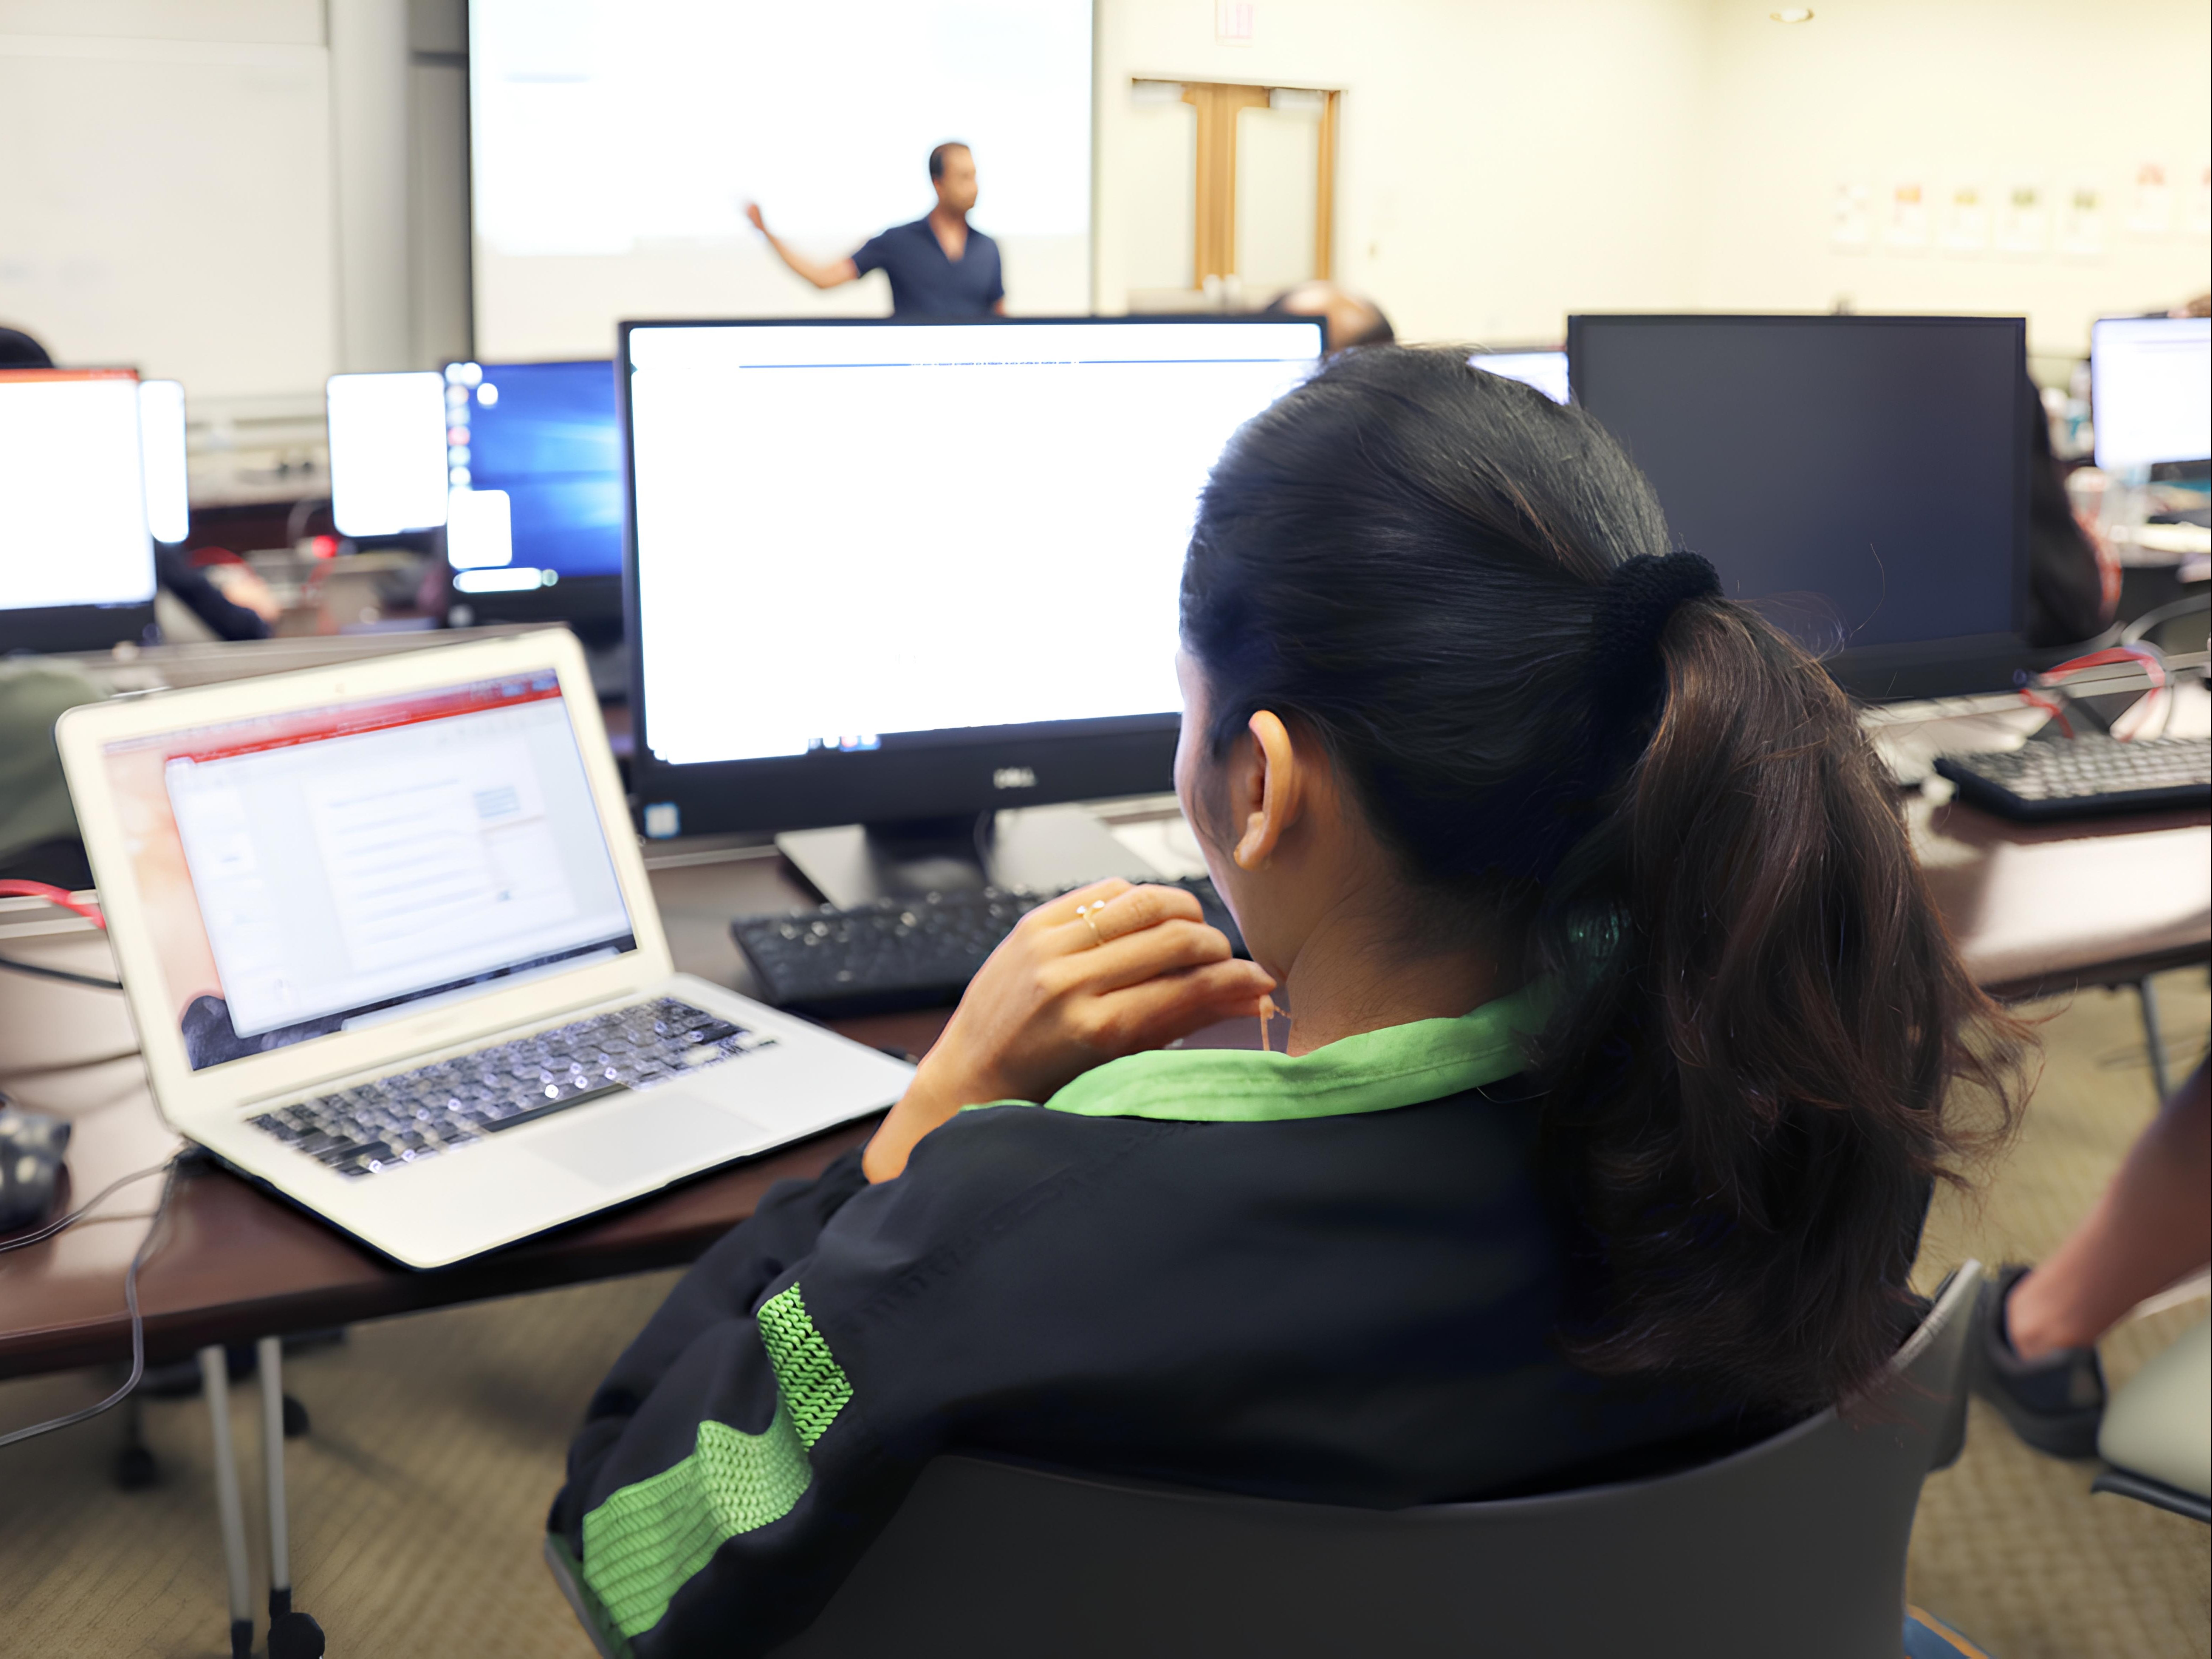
x: 296, y: 1421
x: 294, y: 1636
x: 135, y: 1469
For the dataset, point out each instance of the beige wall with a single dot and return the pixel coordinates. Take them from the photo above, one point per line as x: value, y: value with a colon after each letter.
x: 1876, y: 92
x: 1501, y: 162
x: 1504, y: 164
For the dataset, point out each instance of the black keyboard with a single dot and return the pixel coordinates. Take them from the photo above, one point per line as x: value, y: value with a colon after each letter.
x: 434, y: 1109
x: 902, y: 953
x: 2078, y: 777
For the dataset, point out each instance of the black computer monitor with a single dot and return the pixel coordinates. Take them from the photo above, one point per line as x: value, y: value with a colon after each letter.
x: 76, y: 560
x: 535, y: 525
x: 886, y: 572
x: 1867, y: 475
x: 2150, y: 391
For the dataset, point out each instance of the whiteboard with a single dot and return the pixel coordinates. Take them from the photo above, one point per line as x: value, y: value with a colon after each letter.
x: 167, y: 205
x: 615, y: 143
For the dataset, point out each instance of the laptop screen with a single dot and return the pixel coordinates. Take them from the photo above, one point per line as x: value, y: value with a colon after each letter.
x: 321, y: 870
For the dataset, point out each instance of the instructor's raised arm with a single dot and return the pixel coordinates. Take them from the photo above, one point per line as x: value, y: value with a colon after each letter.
x: 822, y: 273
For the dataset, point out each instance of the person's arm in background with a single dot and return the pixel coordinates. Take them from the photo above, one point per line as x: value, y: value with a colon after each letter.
x: 220, y: 610
x: 822, y: 273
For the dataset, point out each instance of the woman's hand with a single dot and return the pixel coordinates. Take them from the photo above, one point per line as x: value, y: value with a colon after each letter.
x: 1056, y: 999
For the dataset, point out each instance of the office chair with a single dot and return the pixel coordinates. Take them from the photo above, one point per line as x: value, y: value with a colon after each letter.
x: 1794, y: 1545
x: 2156, y: 1434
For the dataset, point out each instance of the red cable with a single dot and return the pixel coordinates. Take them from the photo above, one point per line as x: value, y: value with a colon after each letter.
x: 2112, y: 654
x: 59, y: 896
x: 2152, y: 668
x: 2049, y: 708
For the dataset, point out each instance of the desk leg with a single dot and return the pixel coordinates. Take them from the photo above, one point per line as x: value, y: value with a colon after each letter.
x: 214, y: 1382
x: 2152, y: 1040
x: 291, y: 1635
x: 269, y: 1355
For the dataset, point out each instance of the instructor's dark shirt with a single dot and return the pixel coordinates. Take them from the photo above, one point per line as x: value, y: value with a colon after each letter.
x: 924, y: 282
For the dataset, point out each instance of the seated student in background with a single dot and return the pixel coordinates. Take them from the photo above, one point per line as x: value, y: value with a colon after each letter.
x: 1620, y: 1059
x: 1347, y: 318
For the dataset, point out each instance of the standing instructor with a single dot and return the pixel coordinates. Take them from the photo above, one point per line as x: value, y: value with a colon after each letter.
x: 939, y: 266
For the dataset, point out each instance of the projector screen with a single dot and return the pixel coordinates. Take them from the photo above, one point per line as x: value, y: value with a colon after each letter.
x: 615, y: 143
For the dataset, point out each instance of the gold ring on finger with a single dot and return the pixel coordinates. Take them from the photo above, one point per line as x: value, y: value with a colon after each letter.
x: 1090, y: 915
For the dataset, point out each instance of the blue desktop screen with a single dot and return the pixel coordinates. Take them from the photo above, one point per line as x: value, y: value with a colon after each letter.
x: 545, y: 435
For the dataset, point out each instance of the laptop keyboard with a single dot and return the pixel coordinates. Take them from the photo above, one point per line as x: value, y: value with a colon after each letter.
x: 377, y: 1125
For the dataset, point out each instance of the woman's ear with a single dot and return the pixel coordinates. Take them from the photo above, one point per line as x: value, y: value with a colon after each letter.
x: 1267, y: 790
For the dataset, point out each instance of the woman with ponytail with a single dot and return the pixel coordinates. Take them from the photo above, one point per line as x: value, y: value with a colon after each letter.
x: 1623, y: 1048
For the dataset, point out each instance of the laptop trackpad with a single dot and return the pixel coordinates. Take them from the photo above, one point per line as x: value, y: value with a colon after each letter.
x: 659, y: 1131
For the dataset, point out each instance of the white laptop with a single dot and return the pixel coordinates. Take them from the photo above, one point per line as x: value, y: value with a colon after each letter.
x: 390, y: 949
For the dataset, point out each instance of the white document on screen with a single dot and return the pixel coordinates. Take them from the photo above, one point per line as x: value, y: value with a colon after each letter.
x: 73, y: 508
x: 335, y: 875
x: 863, y: 547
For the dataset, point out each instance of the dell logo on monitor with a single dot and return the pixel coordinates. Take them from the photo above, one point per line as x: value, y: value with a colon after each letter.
x: 1013, y: 777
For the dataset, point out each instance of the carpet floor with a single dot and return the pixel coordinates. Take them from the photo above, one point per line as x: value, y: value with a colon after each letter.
x: 417, y: 1498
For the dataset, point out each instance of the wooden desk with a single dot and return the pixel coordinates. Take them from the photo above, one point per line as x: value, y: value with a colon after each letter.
x: 238, y: 1264
x: 2039, y: 910
x: 2035, y: 910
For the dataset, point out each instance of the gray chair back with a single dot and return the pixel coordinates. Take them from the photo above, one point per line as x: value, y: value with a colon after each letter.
x: 1794, y: 1545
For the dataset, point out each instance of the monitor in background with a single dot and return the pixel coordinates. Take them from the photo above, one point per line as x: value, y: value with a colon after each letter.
x: 1874, y: 469
x: 1545, y: 370
x: 535, y: 532
x: 2150, y: 390
x: 77, y: 563
x: 387, y: 436
x: 161, y: 446
x: 897, y: 571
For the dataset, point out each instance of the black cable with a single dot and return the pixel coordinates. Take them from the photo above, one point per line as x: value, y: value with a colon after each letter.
x: 137, y: 1321
x: 38, y: 971
x: 40, y: 1234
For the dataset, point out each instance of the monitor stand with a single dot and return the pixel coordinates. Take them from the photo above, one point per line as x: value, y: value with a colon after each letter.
x: 1038, y: 847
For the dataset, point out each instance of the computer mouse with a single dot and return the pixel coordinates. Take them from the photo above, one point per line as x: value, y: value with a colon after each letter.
x: 31, y: 1146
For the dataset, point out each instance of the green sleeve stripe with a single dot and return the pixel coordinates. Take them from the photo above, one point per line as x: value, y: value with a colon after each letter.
x: 645, y: 1542
x: 807, y: 1377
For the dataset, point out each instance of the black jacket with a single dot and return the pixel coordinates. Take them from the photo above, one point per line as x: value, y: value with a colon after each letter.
x: 1209, y: 1269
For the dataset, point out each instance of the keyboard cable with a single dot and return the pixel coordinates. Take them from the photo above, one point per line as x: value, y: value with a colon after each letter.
x: 168, y: 1169
x: 89, y: 909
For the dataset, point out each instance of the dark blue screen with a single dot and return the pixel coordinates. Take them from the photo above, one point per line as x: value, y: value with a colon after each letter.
x: 547, y: 437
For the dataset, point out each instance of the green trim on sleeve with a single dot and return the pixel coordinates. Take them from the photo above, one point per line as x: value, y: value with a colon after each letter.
x: 1374, y: 1072
x: 646, y: 1540
x: 808, y: 1380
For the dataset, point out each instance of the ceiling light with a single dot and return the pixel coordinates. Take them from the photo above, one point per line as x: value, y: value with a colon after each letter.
x: 1792, y: 15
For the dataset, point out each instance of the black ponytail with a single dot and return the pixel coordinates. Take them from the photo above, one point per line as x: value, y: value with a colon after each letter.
x: 1748, y: 1079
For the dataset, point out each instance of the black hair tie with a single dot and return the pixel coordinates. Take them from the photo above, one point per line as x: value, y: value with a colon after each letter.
x: 1633, y: 606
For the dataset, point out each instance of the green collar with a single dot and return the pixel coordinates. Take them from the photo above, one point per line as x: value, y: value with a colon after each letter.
x: 1374, y: 1072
